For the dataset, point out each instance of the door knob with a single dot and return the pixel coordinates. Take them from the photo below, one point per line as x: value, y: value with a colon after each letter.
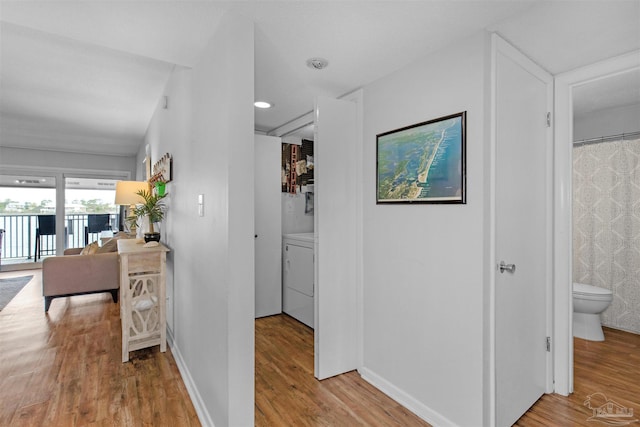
x: 511, y: 268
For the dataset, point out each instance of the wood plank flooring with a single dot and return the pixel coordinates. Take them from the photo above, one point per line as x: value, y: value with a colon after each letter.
x: 611, y: 367
x: 287, y: 394
x: 65, y: 369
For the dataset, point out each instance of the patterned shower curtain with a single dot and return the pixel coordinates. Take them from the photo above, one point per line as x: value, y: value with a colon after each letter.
x: 606, y: 226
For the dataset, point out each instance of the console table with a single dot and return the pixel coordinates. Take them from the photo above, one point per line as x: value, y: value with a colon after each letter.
x: 142, y: 296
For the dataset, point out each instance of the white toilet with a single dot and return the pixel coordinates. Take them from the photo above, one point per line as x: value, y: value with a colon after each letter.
x: 588, y: 302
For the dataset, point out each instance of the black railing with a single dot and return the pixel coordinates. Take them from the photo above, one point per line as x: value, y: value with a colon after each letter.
x: 20, y: 234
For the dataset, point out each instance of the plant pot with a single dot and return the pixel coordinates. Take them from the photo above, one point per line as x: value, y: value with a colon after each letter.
x: 151, y: 237
x: 160, y: 188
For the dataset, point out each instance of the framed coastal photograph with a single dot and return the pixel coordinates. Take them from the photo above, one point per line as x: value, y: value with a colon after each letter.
x: 423, y: 163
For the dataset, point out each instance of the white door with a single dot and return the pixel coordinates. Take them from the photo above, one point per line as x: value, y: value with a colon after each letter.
x: 268, y: 226
x: 523, y: 231
x: 335, y: 229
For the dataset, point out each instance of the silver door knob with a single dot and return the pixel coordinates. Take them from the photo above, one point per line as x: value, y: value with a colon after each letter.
x: 511, y: 268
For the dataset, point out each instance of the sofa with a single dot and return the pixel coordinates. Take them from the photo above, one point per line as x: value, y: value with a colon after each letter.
x: 76, y: 274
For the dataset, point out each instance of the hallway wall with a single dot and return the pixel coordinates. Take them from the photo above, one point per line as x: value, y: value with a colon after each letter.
x: 209, y: 130
x: 423, y: 263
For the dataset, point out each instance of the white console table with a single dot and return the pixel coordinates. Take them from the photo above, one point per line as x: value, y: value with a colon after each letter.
x: 142, y: 296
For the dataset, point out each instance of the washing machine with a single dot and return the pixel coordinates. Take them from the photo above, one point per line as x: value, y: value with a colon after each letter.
x: 298, y: 276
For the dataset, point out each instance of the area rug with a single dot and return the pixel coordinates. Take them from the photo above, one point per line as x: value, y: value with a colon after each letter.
x: 9, y: 288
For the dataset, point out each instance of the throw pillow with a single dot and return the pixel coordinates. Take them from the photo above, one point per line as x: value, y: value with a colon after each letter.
x: 110, y: 245
x: 91, y: 248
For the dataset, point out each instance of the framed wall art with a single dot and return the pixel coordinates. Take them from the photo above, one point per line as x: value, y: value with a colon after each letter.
x: 297, y: 166
x: 163, y: 169
x: 423, y: 163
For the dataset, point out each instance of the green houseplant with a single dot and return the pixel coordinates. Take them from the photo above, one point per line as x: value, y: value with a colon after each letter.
x: 154, y: 209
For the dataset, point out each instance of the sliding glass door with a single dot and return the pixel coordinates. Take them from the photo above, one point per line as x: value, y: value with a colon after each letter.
x: 90, y: 212
x: 34, y: 209
x: 28, y: 217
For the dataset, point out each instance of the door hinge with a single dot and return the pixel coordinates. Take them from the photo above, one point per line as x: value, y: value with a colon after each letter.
x: 548, y: 343
x: 549, y: 120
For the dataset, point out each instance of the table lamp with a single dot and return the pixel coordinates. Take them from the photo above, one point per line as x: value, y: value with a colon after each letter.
x: 126, y: 195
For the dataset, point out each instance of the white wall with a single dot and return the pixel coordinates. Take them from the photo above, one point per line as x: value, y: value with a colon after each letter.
x: 208, y: 128
x: 167, y: 127
x: 423, y: 264
x: 294, y: 220
x: 611, y: 121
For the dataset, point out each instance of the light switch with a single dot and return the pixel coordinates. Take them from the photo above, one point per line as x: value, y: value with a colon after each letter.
x: 200, y: 204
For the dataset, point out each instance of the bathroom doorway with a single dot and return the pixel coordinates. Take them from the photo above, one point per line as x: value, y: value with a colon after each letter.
x: 605, y: 178
x: 583, y: 98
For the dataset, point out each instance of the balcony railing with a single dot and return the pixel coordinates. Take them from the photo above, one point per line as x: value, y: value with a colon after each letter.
x: 20, y: 234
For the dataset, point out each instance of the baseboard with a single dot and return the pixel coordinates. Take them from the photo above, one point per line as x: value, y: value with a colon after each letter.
x: 406, y: 400
x: 196, y: 399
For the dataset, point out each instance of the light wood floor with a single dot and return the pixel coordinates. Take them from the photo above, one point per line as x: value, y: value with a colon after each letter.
x: 287, y: 394
x: 65, y: 369
x: 611, y: 367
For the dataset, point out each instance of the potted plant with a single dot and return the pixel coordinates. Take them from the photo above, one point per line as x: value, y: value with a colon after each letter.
x: 160, y: 185
x: 153, y: 208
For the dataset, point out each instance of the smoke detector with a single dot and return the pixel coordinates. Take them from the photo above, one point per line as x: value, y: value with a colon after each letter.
x: 317, y: 63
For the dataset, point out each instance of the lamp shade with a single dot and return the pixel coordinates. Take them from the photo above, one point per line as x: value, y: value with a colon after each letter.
x: 126, y: 192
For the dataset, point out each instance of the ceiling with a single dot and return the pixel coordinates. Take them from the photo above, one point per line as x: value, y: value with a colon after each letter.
x: 86, y: 76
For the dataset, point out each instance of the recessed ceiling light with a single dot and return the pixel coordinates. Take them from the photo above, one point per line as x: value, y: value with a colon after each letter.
x: 317, y: 63
x: 262, y: 104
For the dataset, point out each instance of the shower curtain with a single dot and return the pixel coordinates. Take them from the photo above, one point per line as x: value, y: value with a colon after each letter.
x: 606, y: 226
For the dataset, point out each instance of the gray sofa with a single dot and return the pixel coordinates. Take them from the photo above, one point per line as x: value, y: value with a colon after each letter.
x: 75, y: 274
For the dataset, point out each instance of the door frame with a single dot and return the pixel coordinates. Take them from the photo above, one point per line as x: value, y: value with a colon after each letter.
x: 563, y: 198
x: 499, y: 45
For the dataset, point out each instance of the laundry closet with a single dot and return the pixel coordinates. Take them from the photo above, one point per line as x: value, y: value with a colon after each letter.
x: 325, y: 205
x: 291, y: 288
x: 298, y: 286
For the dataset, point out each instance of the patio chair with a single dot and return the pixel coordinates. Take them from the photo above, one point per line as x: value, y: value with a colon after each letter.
x: 46, y: 227
x: 95, y: 224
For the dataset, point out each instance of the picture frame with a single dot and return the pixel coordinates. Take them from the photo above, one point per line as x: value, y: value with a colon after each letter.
x: 163, y: 169
x: 423, y: 163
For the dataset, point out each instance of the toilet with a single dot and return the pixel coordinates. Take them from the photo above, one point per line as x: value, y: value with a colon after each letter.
x: 588, y: 302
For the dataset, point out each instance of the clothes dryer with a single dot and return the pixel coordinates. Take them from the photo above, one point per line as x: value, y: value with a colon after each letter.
x: 298, y: 286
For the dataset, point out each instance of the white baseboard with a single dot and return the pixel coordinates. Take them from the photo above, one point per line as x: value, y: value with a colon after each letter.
x: 196, y: 399
x: 406, y: 400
